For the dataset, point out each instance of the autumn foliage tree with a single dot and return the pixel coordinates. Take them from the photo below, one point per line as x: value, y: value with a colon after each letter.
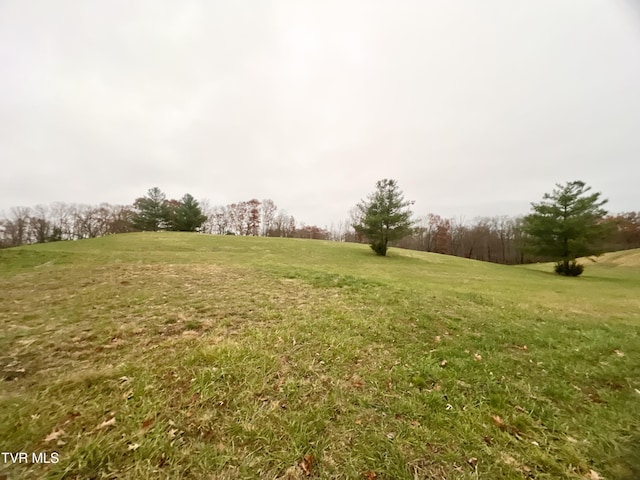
x: 625, y: 228
x: 384, y: 217
x: 253, y: 217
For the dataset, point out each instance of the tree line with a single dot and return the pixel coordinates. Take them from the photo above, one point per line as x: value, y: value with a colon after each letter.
x: 499, y: 239
x: 152, y: 212
x: 502, y: 239
x: 569, y: 223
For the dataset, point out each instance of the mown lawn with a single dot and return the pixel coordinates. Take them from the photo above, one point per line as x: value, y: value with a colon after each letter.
x: 169, y: 355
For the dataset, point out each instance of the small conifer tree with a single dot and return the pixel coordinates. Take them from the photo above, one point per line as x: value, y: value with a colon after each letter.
x: 384, y: 217
x: 567, y: 224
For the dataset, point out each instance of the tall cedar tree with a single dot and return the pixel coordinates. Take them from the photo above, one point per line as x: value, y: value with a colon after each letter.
x: 187, y: 215
x: 384, y: 217
x: 151, y: 211
x: 567, y: 224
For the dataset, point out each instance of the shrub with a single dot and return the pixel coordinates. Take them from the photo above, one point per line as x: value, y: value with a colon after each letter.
x: 379, y: 247
x: 569, y: 269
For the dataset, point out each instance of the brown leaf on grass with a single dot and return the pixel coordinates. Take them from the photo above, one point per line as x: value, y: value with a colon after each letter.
x: 306, y: 464
x: 499, y: 422
x: 443, y: 363
x: 473, y: 461
x: 438, y: 339
x: 54, y: 435
x: 148, y: 423
x: 592, y: 394
x: 71, y: 417
x: 107, y: 423
x: 370, y: 475
x: 133, y: 446
x: 509, y: 460
x: 516, y: 464
x: 477, y: 357
x: 620, y: 354
x: 593, y: 475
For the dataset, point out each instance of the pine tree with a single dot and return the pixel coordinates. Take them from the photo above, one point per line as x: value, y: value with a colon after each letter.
x: 151, y: 211
x: 567, y: 224
x: 187, y: 216
x: 384, y: 217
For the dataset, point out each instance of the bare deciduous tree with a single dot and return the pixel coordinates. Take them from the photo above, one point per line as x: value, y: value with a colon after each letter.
x: 268, y: 213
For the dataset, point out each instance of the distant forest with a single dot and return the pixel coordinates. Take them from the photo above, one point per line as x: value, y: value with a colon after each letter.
x: 494, y: 239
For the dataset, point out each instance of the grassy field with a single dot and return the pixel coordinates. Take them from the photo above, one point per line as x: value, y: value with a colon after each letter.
x: 169, y: 355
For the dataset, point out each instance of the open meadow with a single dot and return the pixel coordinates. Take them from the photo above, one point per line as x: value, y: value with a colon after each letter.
x: 178, y: 355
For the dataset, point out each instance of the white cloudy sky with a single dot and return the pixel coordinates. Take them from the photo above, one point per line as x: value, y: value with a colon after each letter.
x: 476, y: 108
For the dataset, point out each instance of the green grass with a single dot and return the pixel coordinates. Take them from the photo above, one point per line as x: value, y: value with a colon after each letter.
x: 169, y: 355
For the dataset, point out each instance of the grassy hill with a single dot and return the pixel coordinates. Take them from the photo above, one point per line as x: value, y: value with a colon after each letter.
x: 169, y: 355
x: 627, y: 258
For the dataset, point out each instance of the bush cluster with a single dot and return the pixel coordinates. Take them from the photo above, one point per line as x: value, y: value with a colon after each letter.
x: 570, y: 269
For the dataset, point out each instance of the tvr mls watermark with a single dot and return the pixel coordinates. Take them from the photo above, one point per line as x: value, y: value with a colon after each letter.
x: 24, y: 457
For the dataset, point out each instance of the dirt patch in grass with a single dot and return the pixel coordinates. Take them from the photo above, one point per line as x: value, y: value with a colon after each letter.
x: 115, y: 313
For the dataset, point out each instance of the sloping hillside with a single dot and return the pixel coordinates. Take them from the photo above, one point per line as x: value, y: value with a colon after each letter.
x: 169, y: 355
x: 625, y: 258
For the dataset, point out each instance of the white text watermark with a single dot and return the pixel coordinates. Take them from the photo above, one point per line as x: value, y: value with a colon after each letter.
x: 25, y: 457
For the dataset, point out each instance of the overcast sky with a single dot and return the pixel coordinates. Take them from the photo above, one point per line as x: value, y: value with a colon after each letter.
x: 476, y: 108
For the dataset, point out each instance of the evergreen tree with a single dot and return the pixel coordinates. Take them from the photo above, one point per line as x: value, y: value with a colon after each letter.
x: 187, y: 216
x: 151, y: 211
x: 384, y: 217
x: 567, y: 224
